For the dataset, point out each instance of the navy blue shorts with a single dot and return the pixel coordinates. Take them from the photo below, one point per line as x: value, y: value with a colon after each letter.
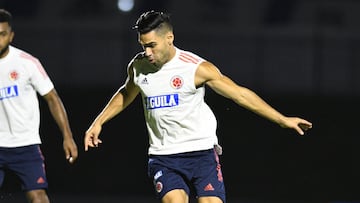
x: 27, y: 163
x: 198, y: 173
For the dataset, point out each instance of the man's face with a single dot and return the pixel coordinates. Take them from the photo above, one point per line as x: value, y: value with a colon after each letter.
x: 156, y: 47
x: 6, y: 37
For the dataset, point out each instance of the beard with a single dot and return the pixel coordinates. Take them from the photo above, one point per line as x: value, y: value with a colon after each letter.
x: 4, y: 50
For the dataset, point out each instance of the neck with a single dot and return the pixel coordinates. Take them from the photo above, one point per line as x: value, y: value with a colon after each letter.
x: 172, y: 52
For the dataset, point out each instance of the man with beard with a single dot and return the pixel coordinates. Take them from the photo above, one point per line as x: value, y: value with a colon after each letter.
x: 183, y: 145
x: 22, y: 77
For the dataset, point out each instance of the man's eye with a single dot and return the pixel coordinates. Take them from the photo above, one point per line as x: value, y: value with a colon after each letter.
x: 149, y: 46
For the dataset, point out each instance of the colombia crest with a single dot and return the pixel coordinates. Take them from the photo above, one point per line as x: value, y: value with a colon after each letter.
x: 176, y: 82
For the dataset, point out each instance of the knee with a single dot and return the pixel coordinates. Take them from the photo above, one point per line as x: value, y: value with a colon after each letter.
x: 37, y: 196
x: 177, y: 195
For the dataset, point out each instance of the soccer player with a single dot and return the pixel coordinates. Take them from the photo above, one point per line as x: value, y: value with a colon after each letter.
x: 22, y: 77
x: 183, y: 145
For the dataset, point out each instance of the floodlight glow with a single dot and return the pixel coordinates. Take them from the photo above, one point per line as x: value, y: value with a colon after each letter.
x: 125, y: 5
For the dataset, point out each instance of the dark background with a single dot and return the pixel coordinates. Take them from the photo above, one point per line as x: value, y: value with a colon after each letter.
x: 301, y: 56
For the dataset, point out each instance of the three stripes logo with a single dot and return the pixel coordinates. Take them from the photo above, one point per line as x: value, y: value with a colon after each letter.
x: 209, y: 187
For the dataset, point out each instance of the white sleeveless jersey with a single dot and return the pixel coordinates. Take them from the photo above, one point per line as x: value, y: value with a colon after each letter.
x: 177, y: 117
x: 21, y: 78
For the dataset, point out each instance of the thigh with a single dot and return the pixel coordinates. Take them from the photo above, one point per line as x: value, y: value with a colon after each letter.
x: 165, y: 177
x: 178, y: 195
x: 28, y: 165
x: 210, y: 200
x: 38, y: 195
x: 208, y: 179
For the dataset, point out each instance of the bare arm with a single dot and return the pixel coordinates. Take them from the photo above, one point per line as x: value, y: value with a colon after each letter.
x: 58, y: 112
x: 207, y: 73
x: 119, y: 101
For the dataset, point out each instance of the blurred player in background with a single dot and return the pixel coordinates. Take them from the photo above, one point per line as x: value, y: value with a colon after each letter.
x: 22, y: 77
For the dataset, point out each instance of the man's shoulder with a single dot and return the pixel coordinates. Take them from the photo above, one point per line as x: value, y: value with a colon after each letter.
x: 138, y: 58
x: 189, y: 57
x: 21, y: 53
x: 140, y: 55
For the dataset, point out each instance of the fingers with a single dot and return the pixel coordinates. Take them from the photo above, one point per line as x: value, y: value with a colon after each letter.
x: 299, y: 131
x: 88, y: 141
x: 91, y: 142
x: 302, y: 126
x: 71, y: 159
x: 87, y: 144
x: 91, y: 137
x: 96, y: 142
x: 71, y: 154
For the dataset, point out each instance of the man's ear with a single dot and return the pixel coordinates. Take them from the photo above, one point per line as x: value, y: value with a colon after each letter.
x: 12, y: 36
x: 170, y: 38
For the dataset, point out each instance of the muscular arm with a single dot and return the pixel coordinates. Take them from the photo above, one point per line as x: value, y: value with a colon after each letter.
x: 208, y: 74
x: 119, y: 101
x: 58, y: 112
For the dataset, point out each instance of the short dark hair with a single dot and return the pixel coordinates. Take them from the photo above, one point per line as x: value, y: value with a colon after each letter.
x: 5, y: 16
x: 151, y: 20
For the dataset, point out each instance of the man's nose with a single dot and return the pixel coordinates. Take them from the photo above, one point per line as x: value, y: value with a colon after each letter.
x: 148, y: 51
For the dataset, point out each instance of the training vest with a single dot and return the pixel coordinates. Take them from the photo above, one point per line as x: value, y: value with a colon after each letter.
x: 177, y: 117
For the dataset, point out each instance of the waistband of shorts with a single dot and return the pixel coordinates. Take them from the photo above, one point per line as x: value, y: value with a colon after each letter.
x: 191, y: 153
